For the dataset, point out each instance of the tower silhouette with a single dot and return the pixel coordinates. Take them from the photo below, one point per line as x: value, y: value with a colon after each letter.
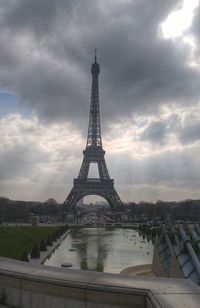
x: 94, y: 153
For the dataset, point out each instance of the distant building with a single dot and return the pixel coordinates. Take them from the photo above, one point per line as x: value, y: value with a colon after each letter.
x: 4, y: 198
x: 51, y: 201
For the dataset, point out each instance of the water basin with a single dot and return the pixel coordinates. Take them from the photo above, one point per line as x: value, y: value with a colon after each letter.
x: 102, y: 249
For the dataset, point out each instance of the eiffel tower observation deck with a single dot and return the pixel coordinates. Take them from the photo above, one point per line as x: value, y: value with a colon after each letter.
x: 94, y: 153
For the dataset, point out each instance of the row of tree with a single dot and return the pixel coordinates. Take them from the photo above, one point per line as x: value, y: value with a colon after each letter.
x: 42, y: 246
x: 13, y: 211
x: 183, y: 210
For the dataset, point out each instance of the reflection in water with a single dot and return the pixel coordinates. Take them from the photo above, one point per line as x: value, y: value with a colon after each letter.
x: 91, y: 248
x: 101, y: 254
x: 101, y: 249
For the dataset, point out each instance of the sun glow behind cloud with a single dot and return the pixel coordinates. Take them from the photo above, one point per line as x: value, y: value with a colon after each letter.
x: 180, y: 20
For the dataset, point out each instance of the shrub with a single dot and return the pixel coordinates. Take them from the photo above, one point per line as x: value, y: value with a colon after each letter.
x: 43, y: 246
x: 24, y: 257
x: 35, y: 253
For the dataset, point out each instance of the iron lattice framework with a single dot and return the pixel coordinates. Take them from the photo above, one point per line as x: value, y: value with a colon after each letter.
x: 94, y: 153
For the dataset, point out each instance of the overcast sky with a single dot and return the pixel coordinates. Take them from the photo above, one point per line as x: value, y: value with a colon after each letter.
x: 149, y: 56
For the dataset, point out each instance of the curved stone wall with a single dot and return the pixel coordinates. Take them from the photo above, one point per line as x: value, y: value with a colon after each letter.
x: 36, y: 286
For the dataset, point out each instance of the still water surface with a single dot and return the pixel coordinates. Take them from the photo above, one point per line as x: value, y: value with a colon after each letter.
x: 101, y: 249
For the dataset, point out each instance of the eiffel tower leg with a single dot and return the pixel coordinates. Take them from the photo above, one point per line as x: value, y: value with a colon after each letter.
x: 118, y: 206
x: 103, y: 171
x: 73, y: 198
x: 114, y: 200
x: 83, y: 173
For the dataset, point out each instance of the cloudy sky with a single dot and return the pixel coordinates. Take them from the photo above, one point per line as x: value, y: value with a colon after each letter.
x: 148, y: 51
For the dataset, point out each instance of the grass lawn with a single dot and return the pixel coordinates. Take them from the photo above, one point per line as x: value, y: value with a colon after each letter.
x: 15, y: 240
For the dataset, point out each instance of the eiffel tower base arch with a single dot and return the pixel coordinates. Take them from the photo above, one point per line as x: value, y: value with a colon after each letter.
x: 104, y: 189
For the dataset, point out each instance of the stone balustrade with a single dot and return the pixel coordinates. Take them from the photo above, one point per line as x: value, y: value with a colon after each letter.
x: 25, y: 285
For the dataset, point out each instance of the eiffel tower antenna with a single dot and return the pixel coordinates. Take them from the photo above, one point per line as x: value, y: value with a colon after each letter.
x: 94, y: 153
x: 95, y: 56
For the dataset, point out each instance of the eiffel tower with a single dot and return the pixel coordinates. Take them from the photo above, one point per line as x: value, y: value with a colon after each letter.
x: 94, y: 153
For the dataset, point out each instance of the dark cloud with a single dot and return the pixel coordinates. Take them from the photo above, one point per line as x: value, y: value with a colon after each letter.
x: 34, y: 16
x: 154, y: 132
x: 188, y: 128
x: 169, y: 168
x: 190, y: 133
x: 48, y: 49
x: 185, y: 127
x: 195, y: 27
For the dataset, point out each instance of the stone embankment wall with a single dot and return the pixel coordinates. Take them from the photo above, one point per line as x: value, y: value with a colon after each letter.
x: 26, y: 285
